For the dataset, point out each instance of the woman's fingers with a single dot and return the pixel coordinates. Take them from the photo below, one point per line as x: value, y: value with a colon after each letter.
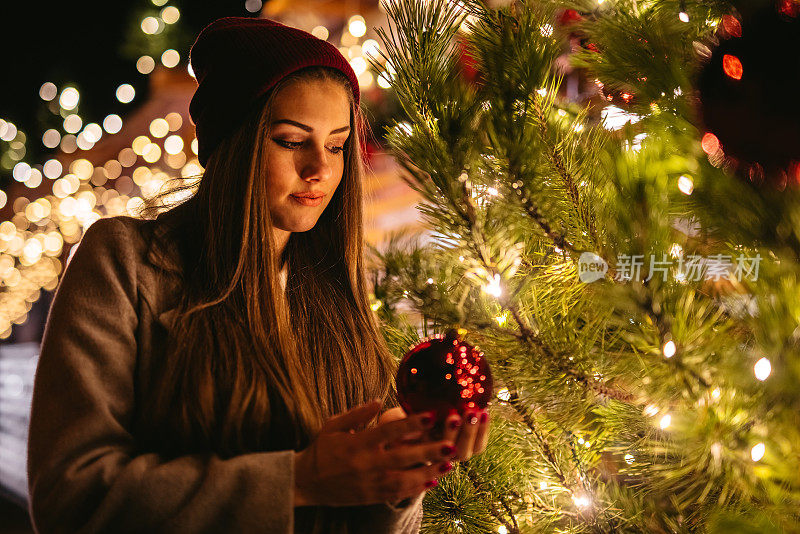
x: 412, y: 455
x: 465, y: 442
x: 399, y: 485
x: 394, y: 430
x: 392, y: 414
x: 452, y: 424
x: 353, y: 419
x: 482, y: 438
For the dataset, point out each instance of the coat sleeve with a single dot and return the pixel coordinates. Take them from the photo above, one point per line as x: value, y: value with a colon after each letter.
x: 402, y: 518
x: 84, y: 473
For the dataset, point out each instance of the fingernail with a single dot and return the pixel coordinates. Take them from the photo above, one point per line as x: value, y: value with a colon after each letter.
x: 484, y: 417
x: 472, y: 418
x: 448, y: 450
x: 454, y: 423
x: 445, y: 467
x: 430, y: 483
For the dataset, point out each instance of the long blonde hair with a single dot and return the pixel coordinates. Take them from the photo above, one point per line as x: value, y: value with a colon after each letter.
x: 249, y: 368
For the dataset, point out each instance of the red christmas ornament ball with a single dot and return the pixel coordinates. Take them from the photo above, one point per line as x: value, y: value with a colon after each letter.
x: 442, y: 373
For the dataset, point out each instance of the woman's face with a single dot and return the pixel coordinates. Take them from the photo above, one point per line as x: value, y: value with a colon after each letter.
x: 310, y: 123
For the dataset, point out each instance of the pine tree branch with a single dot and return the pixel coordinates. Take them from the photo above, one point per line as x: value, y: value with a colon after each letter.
x: 557, y: 160
x: 488, y: 497
x: 663, y: 326
x: 534, y: 341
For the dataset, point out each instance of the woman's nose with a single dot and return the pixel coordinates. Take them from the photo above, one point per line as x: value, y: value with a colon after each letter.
x: 315, y: 164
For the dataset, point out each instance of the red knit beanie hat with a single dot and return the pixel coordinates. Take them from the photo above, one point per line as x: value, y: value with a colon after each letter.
x: 236, y: 60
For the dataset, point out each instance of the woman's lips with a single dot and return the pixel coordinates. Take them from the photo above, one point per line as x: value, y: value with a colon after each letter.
x: 305, y: 201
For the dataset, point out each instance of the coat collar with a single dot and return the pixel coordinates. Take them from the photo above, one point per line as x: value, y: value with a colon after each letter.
x: 161, y: 251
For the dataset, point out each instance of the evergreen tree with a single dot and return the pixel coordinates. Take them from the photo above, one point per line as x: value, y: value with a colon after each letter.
x: 661, y: 397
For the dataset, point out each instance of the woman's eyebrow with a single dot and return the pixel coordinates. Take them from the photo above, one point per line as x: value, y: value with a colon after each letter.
x: 306, y: 127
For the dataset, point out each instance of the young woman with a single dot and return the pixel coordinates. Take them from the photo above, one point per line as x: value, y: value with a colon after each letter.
x: 218, y: 368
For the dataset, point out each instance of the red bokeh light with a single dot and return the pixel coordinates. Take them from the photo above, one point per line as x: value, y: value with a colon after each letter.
x: 710, y: 143
x: 732, y: 26
x: 790, y: 8
x: 732, y: 66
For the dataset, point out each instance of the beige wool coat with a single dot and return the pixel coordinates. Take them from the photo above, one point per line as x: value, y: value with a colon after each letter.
x: 109, y: 320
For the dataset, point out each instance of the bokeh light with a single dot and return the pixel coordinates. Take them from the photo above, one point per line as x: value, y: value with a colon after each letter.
x: 125, y: 93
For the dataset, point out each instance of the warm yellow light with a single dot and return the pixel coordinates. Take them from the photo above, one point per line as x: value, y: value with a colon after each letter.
x: 665, y: 422
x: 173, y: 144
x: 174, y: 120
x: 359, y: 65
x: 125, y: 93
x: 82, y: 168
x: 51, y: 138
x: 669, y: 349
x: 72, y: 123
x: 34, y: 180
x: 112, y: 123
x: 757, y: 452
x: 150, y: 25
x: 48, y: 91
x: 151, y: 153
x: 685, y: 185
x: 139, y: 144
x: 366, y: 80
x: 69, y: 98
x: 357, y: 26
x: 159, y: 128
x: 170, y: 14
x: 762, y: 369
x: 21, y: 172
x: 145, y: 64
x: 493, y: 287
x: 92, y: 132
x: 170, y: 58
x: 320, y: 32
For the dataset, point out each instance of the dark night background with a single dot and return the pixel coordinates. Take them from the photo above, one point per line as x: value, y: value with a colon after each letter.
x: 92, y: 45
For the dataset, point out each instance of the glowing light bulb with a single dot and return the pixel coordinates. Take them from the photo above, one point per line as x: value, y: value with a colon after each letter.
x: 493, y: 287
x: 669, y: 349
x: 757, y: 452
x: 504, y: 395
x: 581, y: 501
x: 665, y: 422
x: 629, y: 458
x: 685, y: 185
x: 762, y: 369
x: 683, y: 16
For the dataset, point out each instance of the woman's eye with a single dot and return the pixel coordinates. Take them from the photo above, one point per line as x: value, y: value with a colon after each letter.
x: 287, y: 144
x: 293, y: 145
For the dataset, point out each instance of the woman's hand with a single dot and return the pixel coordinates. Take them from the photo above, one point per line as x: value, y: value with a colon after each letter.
x: 470, y: 433
x: 346, y: 467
